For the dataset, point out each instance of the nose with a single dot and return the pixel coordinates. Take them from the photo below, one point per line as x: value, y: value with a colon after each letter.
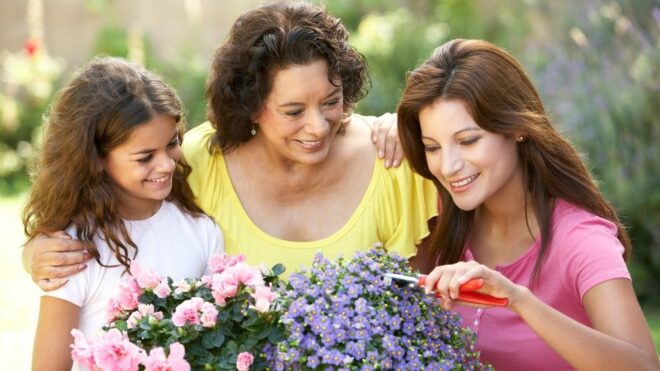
x: 166, y: 163
x: 451, y: 162
x: 317, y: 124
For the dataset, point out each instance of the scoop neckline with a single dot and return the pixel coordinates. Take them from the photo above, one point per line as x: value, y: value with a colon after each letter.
x: 352, y: 220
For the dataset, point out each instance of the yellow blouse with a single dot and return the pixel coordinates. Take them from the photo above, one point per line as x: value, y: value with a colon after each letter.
x: 394, y: 210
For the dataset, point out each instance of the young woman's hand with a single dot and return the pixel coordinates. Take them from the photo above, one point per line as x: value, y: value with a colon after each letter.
x: 385, y: 134
x: 52, y: 259
x: 446, y: 280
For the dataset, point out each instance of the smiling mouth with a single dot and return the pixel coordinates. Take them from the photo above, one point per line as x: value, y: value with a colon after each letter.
x: 465, y: 181
x: 311, y: 144
x: 162, y: 179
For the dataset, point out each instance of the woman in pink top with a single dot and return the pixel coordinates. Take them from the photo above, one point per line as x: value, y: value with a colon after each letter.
x: 521, y: 212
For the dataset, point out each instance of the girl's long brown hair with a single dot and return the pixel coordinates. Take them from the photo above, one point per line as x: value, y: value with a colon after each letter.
x: 502, y: 100
x: 94, y: 113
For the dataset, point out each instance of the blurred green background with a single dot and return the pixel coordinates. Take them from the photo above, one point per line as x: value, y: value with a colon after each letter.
x: 596, y: 63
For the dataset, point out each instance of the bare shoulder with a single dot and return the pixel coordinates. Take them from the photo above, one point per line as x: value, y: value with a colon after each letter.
x: 357, y: 138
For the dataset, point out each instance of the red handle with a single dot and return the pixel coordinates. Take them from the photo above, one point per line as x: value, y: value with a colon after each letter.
x: 467, y: 294
x: 479, y: 298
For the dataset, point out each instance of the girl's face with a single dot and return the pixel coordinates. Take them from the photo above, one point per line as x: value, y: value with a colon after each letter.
x: 475, y: 166
x: 142, y: 167
x: 301, y: 115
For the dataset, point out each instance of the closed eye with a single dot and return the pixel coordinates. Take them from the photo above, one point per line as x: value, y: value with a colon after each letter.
x: 293, y: 113
x: 431, y: 148
x: 332, y: 103
x: 468, y: 141
x: 145, y: 159
x: 174, y: 143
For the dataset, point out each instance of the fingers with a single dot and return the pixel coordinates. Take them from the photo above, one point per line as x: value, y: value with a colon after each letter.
x: 59, y: 234
x: 55, y: 258
x: 446, y: 280
x: 50, y: 285
x: 57, y: 266
x: 385, y: 134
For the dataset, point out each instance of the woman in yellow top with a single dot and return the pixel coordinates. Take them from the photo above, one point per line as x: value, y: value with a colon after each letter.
x: 283, y: 166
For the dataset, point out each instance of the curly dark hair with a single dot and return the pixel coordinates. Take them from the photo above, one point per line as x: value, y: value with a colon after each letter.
x: 94, y: 113
x: 265, y: 40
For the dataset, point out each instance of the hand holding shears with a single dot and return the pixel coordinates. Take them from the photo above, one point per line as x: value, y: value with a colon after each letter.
x: 467, y: 291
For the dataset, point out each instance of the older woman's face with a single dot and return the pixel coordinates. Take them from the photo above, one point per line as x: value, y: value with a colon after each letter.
x: 301, y: 115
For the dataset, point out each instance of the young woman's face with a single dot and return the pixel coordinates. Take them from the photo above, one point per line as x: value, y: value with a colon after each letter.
x: 301, y: 115
x: 142, y: 167
x: 475, y: 166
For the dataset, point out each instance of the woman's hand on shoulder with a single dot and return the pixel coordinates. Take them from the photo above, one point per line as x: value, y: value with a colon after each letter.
x: 446, y: 280
x: 52, y: 259
x: 385, y: 135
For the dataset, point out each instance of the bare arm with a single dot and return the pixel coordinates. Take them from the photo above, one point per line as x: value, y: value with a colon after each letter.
x: 620, y: 337
x: 52, y: 259
x: 619, y: 340
x: 57, y: 318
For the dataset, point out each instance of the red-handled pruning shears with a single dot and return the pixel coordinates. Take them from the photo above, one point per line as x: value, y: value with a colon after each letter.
x: 467, y: 291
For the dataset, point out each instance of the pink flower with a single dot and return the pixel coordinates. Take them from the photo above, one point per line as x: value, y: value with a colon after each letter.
x: 187, y: 312
x: 226, y: 284
x: 263, y: 297
x: 148, y: 279
x: 209, y: 315
x: 113, y: 310
x: 223, y: 287
x: 218, y: 263
x: 182, y: 287
x: 82, y: 350
x: 114, y: 353
x: 126, y: 299
x: 243, y: 361
x: 245, y: 274
x: 163, y: 289
x: 156, y: 360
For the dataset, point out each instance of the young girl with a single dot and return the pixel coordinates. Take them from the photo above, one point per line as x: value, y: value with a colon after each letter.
x: 111, y: 172
x: 521, y: 212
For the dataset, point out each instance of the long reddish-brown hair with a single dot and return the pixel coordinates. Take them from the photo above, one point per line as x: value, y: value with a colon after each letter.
x: 502, y: 100
x: 95, y: 112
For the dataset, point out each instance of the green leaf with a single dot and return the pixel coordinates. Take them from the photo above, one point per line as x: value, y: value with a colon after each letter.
x: 278, y: 269
x: 213, y: 339
x: 121, y: 325
x: 276, y: 335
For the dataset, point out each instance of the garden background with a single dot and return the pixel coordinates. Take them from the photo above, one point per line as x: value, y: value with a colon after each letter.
x: 596, y: 63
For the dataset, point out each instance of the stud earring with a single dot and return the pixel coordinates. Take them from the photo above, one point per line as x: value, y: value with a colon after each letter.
x: 253, y: 131
x: 521, y: 138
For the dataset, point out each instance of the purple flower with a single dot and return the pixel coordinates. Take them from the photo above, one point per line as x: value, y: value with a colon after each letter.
x: 343, y: 315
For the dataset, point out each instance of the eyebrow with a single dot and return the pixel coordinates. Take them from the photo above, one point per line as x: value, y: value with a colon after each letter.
x: 150, y: 150
x: 290, y: 104
x: 470, y: 128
